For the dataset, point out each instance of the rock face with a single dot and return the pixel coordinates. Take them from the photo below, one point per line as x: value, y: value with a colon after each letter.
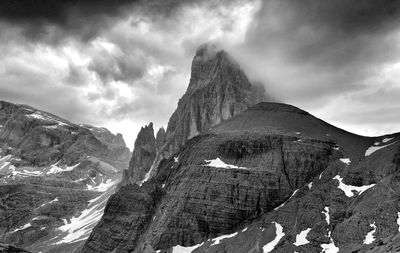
x: 160, y: 139
x: 218, y: 90
x: 143, y: 155
x: 248, y: 171
x: 55, y: 178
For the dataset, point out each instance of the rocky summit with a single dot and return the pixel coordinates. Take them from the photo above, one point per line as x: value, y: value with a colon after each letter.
x: 55, y: 179
x: 143, y: 156
x: 218, y: 90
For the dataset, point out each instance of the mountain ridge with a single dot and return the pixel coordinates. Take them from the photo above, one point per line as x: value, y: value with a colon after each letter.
x: 55, y: 178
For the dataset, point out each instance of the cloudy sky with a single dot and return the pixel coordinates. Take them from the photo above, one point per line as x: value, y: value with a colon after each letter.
x: 121, y: 64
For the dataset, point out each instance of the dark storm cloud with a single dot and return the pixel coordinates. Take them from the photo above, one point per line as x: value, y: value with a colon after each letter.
x: 334, y: 33
x: 53, y: 20
x: 319, y: 48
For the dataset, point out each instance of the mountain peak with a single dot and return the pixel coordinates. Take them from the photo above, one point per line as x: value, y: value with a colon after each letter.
x: 207, y: 51
x: 210, y: 62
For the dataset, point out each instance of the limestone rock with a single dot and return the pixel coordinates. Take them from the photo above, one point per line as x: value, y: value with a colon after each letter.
x: 143, y: 154
x: 160, y: 139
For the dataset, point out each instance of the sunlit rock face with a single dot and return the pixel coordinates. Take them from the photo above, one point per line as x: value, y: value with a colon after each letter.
x: 55, y: 178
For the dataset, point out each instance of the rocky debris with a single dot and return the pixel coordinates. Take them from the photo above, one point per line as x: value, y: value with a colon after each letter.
x: 239, y: 175
x: 55, y: 178
x: 143, y: 155
x: 218, y: 90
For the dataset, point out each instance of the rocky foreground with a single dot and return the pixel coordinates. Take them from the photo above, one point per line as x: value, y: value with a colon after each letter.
x: 55, y: 178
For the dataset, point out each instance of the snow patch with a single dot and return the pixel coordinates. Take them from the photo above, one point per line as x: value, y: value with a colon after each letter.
x: 329, y: 247
x: 349, y: 189
x: 279, y: 235
x: 104, y: 186
x: 345, y: 161
x: 22, y: 227
x: 181, y: 249
x: 54, y: 200
x: 217, y: 240
x: 398, y: 220
x: 294, y: 193
x: 301, y: 239
x: 42, y: 116
x: 218, y: 163
x: 387, y: 140
x: 281, y: 205
x: 369, y: 238
x: 326, y: 213
x: 372, y: 149
x: 56, y: 169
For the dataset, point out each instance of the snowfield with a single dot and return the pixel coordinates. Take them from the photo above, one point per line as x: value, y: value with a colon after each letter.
x: 350, y: 189
x: 375, y: 148
x: 279, y: 235
x: 79, y: 228
x: 218, y: 163
x: 301, y: 239
x: 328, y: 247
x: 369, y: 237
x: 218, y: 239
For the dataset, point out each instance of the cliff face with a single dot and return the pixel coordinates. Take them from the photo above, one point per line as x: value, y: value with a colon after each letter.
x: 225, y: 180
x: 143, y: 155
x: 351, y: 207
x: 217, y: 91
x: 55, y: 178
x: 160, y: 139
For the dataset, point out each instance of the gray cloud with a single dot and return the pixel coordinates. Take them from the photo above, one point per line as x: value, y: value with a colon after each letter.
x: 120, y: 61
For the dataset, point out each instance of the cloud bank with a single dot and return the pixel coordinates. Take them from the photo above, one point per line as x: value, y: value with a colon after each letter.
x: 121, y: 64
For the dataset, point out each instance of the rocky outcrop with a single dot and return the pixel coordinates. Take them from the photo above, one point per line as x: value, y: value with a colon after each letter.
x: 217, y: 91
x: 55, y: 178
x: 160, y: 139
x: 143, y: 154
x: 227, y: 178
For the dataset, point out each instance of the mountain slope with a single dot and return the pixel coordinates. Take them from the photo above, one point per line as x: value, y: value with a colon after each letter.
x: 268, y: 168
x: 55, y: 178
